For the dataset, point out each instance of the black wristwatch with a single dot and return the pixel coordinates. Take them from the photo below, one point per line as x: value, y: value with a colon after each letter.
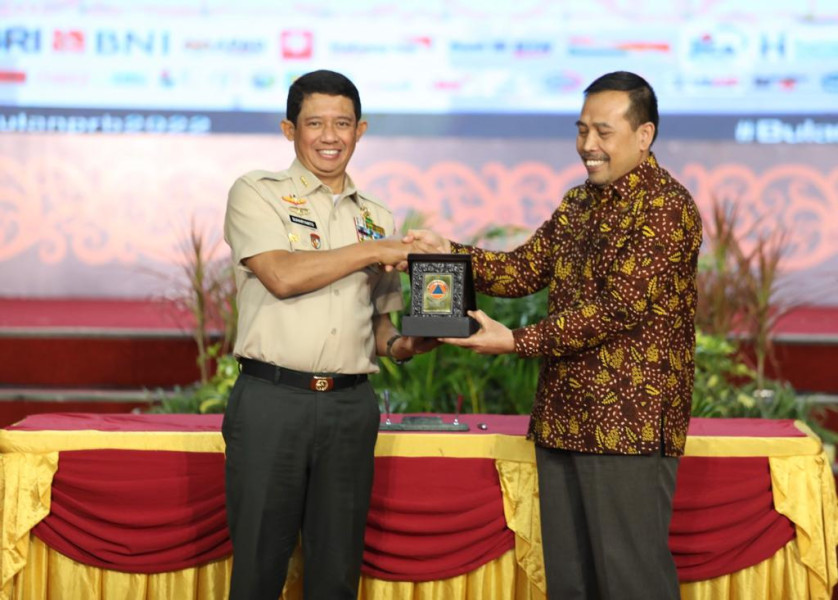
x: 390, y: 343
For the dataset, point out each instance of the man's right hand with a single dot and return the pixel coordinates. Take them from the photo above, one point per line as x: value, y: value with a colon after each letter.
x: 392, y: 252
x: 428, y: 241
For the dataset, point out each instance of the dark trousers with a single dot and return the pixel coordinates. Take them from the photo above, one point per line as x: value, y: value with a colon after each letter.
x: 605, y: 525
x: 298, y: 462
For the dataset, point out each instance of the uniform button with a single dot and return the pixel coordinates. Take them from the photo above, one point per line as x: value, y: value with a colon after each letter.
x: 334, y: 331
x: 337, y: 292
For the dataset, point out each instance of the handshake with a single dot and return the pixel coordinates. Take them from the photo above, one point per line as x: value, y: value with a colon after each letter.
x: 391, y: 253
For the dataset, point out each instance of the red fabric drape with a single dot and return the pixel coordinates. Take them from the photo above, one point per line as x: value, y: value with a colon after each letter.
x: 430, y: 518
x: 149, y: 512
x: 723, y: 516
x: 434, y: 518
x: 138, y: 511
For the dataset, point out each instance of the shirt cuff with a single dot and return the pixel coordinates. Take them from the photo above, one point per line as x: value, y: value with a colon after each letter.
x: 527, y: 341
x: 457, y: 248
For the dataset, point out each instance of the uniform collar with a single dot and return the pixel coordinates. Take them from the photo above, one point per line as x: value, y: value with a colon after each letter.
x: 307, y: 182
x: 643, y: 175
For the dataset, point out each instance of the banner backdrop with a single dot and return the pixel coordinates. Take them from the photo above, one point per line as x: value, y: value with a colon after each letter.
x: 123, y: 124
x: 111, y: 215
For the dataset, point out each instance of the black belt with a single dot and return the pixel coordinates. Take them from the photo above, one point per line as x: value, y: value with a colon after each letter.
x: 299, y: 379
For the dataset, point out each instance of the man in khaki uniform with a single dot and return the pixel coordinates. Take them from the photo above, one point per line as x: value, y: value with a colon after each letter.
x: 315, y: 286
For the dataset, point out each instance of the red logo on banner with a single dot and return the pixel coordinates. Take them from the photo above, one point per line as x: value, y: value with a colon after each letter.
x: 12, y: 77
x: 296, y: 44
x: 68, y: 41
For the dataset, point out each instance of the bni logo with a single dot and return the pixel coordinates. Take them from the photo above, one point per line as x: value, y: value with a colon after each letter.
x: 16, y: 77
x: 111, y: 42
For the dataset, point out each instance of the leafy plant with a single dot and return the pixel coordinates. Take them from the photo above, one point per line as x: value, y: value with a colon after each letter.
x: 725, y: 387
x: 209, y: 396
x: 717, y: 371
x: 721, y: 293
x: 738, y: 282
x: 210, y: 297
x: 763, y: 310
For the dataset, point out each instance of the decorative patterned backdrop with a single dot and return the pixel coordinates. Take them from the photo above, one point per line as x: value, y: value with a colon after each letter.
x: 108, y: 215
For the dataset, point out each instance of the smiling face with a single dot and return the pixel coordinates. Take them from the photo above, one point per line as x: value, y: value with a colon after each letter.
x: 606, y: 141
x: 324, y: 136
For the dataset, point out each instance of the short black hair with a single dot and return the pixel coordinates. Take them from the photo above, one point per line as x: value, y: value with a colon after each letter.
x: 643, y: 104
x: 326, y: 82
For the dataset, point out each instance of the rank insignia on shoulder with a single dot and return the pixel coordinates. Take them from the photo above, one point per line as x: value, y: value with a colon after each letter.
x: 292, y: 199
x: 315, y: 241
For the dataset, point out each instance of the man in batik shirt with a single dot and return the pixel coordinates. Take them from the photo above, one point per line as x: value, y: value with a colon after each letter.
x: 611, y: 412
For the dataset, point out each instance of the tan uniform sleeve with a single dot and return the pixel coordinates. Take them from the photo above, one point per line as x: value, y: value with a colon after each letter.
x: 387, y: 294
x: 251, y: 224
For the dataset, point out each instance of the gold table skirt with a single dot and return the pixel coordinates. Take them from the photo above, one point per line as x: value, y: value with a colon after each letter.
x: 801, y: 476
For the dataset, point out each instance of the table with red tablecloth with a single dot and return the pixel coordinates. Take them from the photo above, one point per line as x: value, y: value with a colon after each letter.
x: 132, y: 506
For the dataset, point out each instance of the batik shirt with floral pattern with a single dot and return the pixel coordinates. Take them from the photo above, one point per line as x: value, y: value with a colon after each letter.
x: 618, y: 344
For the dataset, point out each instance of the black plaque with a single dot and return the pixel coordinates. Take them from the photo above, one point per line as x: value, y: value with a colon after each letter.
x: 441, y: 294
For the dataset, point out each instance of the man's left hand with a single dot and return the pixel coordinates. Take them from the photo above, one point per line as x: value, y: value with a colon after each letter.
x: 418, y: 345
x: 493, y: 337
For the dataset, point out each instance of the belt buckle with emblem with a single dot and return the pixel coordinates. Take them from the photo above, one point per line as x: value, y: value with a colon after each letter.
x: 321, y: 384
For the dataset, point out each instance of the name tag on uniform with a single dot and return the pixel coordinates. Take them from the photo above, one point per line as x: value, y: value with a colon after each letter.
x: 304, y: 222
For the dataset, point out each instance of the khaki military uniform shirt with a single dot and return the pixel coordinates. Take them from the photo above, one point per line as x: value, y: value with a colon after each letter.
x: 618, y: 345
x: 328, y: 330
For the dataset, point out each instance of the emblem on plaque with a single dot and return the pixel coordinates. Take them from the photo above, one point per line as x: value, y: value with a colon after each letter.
x: 437, y: 297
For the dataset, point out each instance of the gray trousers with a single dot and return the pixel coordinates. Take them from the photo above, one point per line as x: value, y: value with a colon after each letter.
x: 298, y: 462
x: 605, y: 525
